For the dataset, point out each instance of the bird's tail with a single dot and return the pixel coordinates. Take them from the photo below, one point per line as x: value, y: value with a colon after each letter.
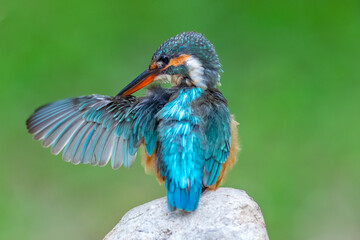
x: 183, y: 198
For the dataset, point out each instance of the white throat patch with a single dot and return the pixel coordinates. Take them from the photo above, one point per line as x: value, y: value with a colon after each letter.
x: 166, y: 78
x: 196, y: 72
x: 163, y: 78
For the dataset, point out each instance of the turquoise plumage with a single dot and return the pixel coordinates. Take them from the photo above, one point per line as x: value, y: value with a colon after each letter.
x: 182, y: 145
x: 187, y: 128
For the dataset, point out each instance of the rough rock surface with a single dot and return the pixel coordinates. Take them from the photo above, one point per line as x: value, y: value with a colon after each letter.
x: 223, y: 214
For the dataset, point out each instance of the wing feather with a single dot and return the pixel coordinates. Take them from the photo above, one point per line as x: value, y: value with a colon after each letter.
x: 212, y: 107
x: 117, y: 159
x: 66, y: 134
x: 94, y: 129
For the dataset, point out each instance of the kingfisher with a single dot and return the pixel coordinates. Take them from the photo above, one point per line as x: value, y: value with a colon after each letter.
x: 189, y: 136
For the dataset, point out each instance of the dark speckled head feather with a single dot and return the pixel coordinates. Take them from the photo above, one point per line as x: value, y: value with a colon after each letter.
x: 204, y: 60
x: 190, y: 43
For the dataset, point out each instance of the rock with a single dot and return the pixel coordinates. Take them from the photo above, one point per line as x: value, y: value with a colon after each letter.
x: 223, y: 214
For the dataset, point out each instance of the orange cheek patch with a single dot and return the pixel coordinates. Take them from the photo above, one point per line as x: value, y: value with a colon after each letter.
x: 153, y: 66
x: 178, y: 61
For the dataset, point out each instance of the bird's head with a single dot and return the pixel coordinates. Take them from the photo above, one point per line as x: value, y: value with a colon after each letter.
x: 188, y: 58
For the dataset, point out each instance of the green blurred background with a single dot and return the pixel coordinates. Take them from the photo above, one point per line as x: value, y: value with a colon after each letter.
x: 291, y: 77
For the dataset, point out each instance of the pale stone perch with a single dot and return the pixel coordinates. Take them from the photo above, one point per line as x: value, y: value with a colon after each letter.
x: 223, y: 214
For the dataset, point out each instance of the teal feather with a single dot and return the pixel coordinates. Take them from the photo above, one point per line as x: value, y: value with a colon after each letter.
x: 182, y: 153
x: 93, y: 129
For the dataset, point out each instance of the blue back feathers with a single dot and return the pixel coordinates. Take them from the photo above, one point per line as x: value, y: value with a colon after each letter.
x: 182, y: 147
x: 194, y: 140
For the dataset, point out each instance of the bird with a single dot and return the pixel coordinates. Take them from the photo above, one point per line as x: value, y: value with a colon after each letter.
x: 189, y: 136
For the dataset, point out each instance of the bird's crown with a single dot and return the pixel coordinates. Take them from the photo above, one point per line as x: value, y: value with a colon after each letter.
x: 192, y: 55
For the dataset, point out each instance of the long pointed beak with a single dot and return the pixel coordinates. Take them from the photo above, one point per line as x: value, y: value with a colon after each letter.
x: 141, y: 81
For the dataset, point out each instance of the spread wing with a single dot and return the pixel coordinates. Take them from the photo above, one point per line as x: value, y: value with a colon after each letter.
x: 94, y: 129
x: 218, y: 136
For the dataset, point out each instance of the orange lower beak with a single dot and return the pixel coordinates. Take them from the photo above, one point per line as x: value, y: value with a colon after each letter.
x: 141, y: 81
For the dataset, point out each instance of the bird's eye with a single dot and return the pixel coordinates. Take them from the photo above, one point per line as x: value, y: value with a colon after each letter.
x: 164, y: 59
